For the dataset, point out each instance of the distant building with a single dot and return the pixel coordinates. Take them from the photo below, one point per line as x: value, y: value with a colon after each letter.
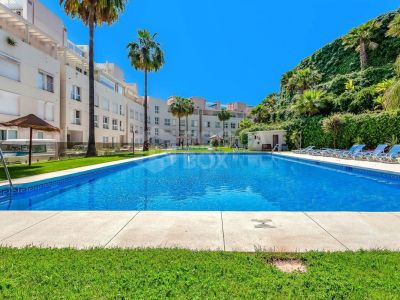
x: 44, y: 73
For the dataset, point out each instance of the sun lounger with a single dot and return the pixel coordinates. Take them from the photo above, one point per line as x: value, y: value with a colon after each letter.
x: 370, y: 154
x: 391, y: 156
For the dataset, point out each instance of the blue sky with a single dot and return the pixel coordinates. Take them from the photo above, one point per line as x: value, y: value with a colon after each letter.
x: 224, y: 50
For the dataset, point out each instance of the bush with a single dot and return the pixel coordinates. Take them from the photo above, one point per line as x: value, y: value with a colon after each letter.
x: 371, y: 128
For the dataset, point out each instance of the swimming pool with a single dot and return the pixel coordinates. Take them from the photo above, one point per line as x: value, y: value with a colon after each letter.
x: 216, y: 182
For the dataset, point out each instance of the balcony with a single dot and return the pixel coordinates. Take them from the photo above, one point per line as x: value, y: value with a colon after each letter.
x: 75, y: 49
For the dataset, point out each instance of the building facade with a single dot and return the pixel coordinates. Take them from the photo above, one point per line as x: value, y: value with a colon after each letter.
x: 44, y: 73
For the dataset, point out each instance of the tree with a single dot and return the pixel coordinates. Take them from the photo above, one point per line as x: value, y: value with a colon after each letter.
x: 303, y: 79
x: 93, y: 13
x: 309, y: 103
x: 223, y: 116
x: 333, y: 125
x: 178, y: 110
x: 146, y: 55
x: 391, y: 97
x: 394, y: 27
x: 360, y: 39
x: 189, y: 110
x: 264, y: 112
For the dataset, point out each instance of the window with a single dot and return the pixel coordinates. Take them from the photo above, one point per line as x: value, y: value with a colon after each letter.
x: 96, y: 121
x: 136, y: 115
x: 9, y: 103
x: 173, y: 122
x: 49, y: 111
x: 10, y: 134
x: 167, y: 122
x: 194, y: 123
x: 121, y: 110
x: 9, y: 68
x: 45, y: 81
x: 208, y: 124
x: 3, y: 134
x: 225, y: 125
x: 194, y: 133
x: 40, y: 135
x: 105, y: 139
x: 76, y: 117
x: 148, y: 120
x: 131, y: 113
x: 114, y: 108
x: 141, y: 117
x: 121, y: 127
x: 96, y: 100
x: 233, y: 125
x: 107, y: 82
x: 76, y: 93
x: 156, y: 131
x: 115, y: 124
x: 217, y: 125
x: 41, y: 109
x: 119, y: 89
x: 106, y: 121
x: 156, y: 109
x: 183, y: 122
x: 156, y: 120
x: 106, y: 104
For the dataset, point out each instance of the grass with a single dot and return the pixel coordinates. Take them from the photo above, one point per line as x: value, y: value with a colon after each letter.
x: 180, y: 274
x: 18, y: 171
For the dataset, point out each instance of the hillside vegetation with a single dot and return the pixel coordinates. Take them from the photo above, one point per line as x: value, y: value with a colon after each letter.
x: 357, y: 74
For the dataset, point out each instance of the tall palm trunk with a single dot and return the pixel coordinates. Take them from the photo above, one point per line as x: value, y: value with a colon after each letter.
x: 187, y: 131
x: 179, y: 133
x: 146, y: 135
x: 91, y: 150
x: 223, y: 133
x: 363, y: 54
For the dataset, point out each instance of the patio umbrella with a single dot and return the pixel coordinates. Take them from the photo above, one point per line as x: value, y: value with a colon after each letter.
x: 215, y: 137
x: 32, y: 122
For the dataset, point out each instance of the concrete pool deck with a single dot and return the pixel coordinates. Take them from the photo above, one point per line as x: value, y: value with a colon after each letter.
x: 227, y: 231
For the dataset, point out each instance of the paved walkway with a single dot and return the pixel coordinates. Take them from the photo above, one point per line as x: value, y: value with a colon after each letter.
x: 229, y: 231
x: 371, y: 165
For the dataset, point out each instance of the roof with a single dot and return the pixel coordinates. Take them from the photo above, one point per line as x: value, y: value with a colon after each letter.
x: 30, y: 121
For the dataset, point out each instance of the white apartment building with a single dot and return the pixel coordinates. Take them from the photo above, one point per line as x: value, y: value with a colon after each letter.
x: 43, y: 73
x: 29, y: 70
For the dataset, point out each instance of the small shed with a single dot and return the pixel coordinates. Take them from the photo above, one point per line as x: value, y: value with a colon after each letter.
x: 266, y: 140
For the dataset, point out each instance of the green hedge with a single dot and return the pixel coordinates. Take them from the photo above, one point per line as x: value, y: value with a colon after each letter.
x: 369, y: 128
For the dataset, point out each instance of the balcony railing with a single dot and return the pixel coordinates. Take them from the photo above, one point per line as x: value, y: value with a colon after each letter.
x: 75, y: 48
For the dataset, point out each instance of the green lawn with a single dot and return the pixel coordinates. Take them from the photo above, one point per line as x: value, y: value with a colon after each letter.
x: 156, y: 274
x: 18, y: 171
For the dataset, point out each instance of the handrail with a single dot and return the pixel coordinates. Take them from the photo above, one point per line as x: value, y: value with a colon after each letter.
x: 276, y: 147
x: 6, y: 171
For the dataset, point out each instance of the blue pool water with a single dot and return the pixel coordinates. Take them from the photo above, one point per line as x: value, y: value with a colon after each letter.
x: 227, y: 182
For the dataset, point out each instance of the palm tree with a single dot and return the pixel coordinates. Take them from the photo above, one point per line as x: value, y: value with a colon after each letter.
x: 189, y: 110
x: 303, y: 79
x: 178, y: 110
x: 309, y: 103
x: 333, y: 125
x: 93, y: 13
x: 223, y: 116
x: 146, y: 55
x: 360, y: 39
